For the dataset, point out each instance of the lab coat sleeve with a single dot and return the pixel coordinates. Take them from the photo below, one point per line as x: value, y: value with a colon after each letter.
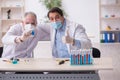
x: 81, y: 39
x: 77, y: 44
x: 9, y: 37
x: 44, y: 32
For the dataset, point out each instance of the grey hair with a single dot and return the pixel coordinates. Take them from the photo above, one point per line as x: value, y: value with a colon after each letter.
x: 31, y: 13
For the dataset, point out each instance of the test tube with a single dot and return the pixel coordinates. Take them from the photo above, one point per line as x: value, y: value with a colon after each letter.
x: 84, y: 58
x: 71, y: 58
x: 89, y: 58
x: 76, y: 59
x: 80, y: 59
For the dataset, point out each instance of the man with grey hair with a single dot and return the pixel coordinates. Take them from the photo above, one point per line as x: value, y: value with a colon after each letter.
x: 22, y: 38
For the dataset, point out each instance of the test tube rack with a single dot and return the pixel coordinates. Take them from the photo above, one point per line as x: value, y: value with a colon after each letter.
x: 81, y: 57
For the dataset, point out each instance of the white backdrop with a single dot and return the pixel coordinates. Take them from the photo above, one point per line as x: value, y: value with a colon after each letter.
x: 85, y: 12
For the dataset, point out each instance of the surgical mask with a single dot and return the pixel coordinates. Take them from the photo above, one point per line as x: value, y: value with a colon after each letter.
x: 29, y: 27
x: 56, y: 25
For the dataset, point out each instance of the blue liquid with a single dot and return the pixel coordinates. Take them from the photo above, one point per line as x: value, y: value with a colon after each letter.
x: 33, y: 33
x: 89, y: 61
x: 84, y: 58
x: 72, y: 59
x: 80, y: 59
x: 76, y: 59
x: 15, y: 61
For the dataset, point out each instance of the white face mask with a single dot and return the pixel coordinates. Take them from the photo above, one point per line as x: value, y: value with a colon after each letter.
x: 29, y: 27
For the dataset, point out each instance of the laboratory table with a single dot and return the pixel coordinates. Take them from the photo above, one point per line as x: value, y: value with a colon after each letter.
x: 49, y: 69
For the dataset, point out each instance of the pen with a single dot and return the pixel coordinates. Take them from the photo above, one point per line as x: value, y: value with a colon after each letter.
x: 7, y: 61
x: 62, y: 61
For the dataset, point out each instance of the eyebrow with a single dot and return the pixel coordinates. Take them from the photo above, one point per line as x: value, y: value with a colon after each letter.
x: 33, y: 23
x: 30, y: 23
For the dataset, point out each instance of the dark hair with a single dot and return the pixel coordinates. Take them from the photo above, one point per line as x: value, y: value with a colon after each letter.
x: 55, y: 9
x: 31, y: 13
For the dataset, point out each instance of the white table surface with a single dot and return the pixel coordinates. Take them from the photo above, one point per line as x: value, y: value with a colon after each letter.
x: 51, y: 64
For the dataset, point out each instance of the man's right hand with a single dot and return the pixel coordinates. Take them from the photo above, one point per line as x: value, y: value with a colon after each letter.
x: 25, y: 35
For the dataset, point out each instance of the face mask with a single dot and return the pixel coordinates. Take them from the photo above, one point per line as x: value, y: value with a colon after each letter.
x: 56, y: 25
x: 29, y: 27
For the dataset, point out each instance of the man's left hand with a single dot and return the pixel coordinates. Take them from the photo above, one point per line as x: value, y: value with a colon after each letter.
x: 67, y: 39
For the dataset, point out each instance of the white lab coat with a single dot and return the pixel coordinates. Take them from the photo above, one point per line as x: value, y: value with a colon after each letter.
x: 76, y: 31
x: 19, y: 50
x: 25, y: 49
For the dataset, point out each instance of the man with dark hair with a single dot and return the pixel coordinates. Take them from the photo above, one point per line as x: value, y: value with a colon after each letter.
x: 55, y: 9
x: 66, y: 35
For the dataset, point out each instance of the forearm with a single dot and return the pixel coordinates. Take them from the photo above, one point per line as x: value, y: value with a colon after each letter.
x: 76, y: 43
x: 82, y: 44
x: 86, y: 43
x: 9, y: 39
